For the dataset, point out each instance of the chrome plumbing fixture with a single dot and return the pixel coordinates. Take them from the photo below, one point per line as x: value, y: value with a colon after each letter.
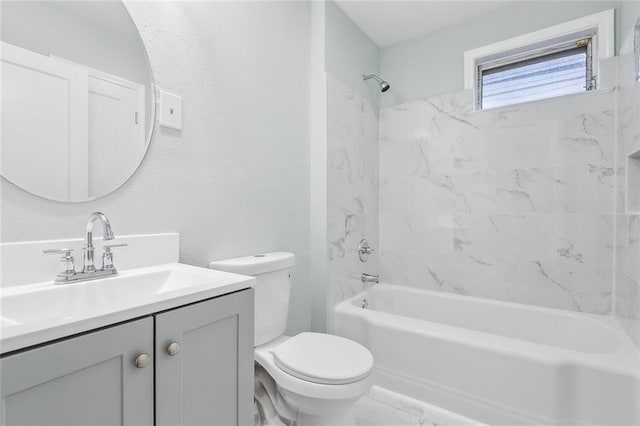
x: 364, y: 250
x: 107, y: 256
x: 384, y: 86
x: 88, y: 245
x: 68, y: 272
x: 365, y: 304
x: 368, y: 278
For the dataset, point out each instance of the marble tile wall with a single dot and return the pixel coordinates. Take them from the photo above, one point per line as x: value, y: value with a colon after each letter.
x: 627, y: 259
x: 352, y: 180
x: 512, y: 204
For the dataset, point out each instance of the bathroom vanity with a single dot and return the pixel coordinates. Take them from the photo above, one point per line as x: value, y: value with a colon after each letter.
x: 164, y: 344
x: 199, y: 369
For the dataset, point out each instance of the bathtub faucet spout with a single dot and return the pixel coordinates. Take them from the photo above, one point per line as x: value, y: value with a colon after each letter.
x: 368, y: 278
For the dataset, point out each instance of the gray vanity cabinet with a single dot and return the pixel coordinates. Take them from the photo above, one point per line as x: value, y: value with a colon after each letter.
x: 99, y: 378
x: 204, y: 359
x: 86, y: 380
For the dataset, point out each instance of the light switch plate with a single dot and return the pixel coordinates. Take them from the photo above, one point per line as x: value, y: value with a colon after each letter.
x: 170, y: 110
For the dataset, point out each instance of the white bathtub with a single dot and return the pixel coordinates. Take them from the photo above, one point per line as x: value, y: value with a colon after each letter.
x: 497, y: 362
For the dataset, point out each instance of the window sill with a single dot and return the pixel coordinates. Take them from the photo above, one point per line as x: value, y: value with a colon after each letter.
x: 545, y: 101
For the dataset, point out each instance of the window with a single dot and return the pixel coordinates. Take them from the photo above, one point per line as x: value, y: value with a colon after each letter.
x: 558, y: 71
x: 555, y: 61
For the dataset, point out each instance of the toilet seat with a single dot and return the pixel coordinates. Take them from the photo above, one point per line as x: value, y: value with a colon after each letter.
x: 323, y: 358
x: 264, y: 356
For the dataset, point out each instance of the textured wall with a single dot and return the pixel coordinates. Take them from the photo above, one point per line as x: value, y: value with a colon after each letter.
x: 512, y: 204
x: 235, y: 180
x: 352, y: 176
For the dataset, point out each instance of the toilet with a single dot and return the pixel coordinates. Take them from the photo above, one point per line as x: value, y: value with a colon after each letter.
x: 310, y: 378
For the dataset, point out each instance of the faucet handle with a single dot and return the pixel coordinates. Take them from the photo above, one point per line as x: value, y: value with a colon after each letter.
x: 108, y: 247
x: 364, y: 250
x: 67, y: 266
x: 65, y: 251
x: 107, y: 256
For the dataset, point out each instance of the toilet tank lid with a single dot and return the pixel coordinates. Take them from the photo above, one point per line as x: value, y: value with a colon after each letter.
x: 255, y: 264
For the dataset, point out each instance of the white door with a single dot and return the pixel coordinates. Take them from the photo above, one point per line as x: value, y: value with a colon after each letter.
x: 116, y: 130
x: 44, y: 124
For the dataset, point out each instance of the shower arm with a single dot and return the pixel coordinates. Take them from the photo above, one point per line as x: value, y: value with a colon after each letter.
x: 370, y: 76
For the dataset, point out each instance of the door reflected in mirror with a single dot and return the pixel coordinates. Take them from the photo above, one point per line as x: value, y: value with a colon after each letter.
x: 77, y: 98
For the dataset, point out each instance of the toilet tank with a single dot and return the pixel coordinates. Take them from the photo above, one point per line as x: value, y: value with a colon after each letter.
x: 273, y: 274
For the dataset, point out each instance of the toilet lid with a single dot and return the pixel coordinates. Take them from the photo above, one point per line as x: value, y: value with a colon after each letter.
x: 323, y: 358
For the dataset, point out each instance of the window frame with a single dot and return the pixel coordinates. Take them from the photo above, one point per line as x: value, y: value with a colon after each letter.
x: 590, y: 76
x: 599, y: 28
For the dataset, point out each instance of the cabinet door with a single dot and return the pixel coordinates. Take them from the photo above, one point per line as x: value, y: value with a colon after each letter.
x: 85, y: 380
x: 209, y: 380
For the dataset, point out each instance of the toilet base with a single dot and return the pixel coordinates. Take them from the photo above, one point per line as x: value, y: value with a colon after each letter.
x: 276, y: 406
x: 302, y: 402
x: 314, y: 412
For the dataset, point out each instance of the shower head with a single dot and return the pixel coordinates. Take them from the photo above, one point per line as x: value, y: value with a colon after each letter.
x: 384, y: 86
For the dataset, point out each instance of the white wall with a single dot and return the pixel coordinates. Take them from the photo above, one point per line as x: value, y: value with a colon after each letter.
x: 235, y: 180
x: 318, y: 169
x: 629, y: 14
x: 433, y: 64
x: 349, y: 53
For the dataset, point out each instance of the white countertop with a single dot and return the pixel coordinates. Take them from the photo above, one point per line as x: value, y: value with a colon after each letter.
x: 32, y: 314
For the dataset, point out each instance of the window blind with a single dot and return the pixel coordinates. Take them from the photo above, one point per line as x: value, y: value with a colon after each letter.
x: 555, y: 74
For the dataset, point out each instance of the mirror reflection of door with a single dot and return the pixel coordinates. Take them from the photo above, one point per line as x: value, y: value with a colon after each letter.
x: 93, y: 124
x: 77, y: 97
x: 116, y: 130
x: 44, y: 111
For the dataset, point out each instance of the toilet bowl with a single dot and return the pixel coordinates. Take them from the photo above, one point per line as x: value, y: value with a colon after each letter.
x: 309, y: 386
x: 317, y: 376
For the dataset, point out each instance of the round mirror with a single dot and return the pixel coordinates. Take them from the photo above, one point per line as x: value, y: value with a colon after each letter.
x: 78, y: 102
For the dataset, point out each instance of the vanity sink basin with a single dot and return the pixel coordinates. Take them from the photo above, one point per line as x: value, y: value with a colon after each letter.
x: 36, y: 313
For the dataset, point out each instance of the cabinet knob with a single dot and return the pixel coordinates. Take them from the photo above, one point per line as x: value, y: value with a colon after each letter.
x: 142, y: 360
x: 173, y: 348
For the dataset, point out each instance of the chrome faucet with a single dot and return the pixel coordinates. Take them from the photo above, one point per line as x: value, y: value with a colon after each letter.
x: 368, y: 278
x: 364, y: 250
x: 88, y: 244
x: 68, y: 272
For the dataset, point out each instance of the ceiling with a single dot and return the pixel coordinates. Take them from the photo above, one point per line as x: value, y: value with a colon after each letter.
x: 389, y: 22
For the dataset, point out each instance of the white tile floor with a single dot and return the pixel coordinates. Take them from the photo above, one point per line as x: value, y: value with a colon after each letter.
x: 381, y: 407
